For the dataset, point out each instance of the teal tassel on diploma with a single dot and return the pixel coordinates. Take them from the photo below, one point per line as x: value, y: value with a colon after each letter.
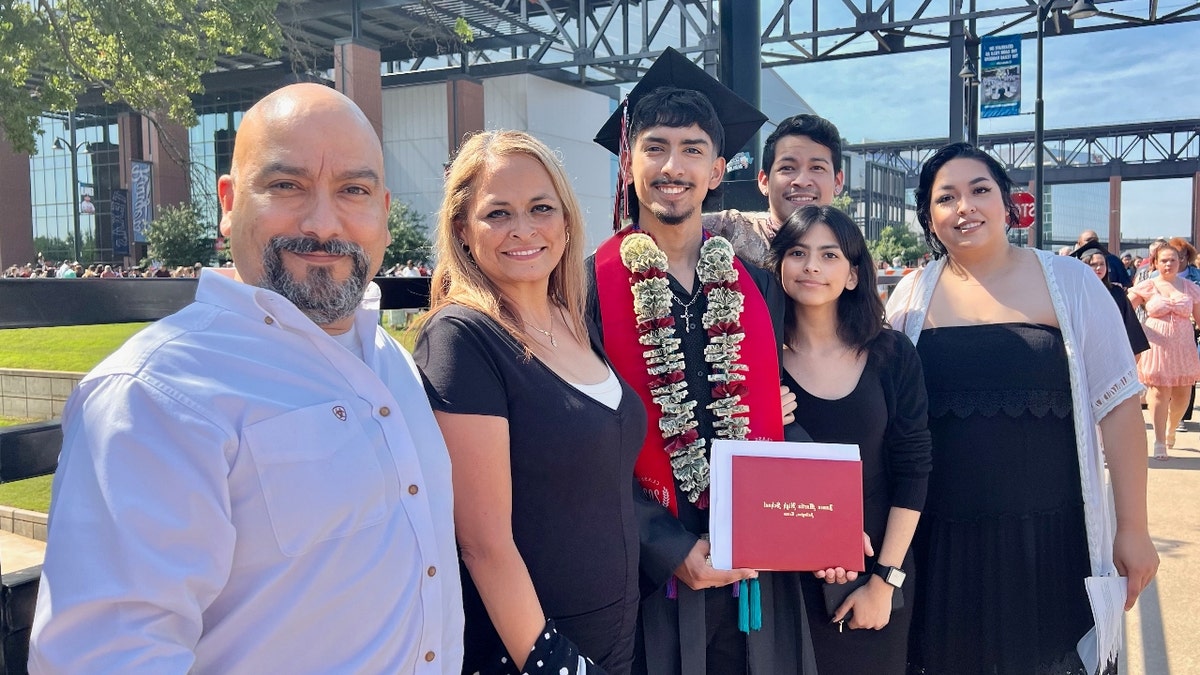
x: 749, y: 605
x: 755, y: 605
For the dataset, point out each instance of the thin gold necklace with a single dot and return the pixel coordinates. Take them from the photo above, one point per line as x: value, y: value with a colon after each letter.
x: 547, y: 333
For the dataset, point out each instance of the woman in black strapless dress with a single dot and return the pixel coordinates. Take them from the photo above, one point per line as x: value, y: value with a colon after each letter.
x: 1024, y: 360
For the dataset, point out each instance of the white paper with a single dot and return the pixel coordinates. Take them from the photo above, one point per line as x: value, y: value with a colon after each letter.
x: 1102, y: 644
x: 720, y: 486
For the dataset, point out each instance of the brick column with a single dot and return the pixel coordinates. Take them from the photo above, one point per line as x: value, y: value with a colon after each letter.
x: 167, y: 146
x: 16, y: 227
x: 1196, y: 208
x: 464, y: 98
x: 356, y: 74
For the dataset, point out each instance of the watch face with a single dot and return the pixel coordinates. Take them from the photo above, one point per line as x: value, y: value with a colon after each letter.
x: 895, y: 577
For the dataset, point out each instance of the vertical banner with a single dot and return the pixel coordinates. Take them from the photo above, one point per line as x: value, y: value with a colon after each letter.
x: 141, y: 208
x: 119, y: 209
x: 1000, y: 76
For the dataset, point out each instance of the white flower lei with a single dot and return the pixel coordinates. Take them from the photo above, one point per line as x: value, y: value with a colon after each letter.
x: 656, y: 329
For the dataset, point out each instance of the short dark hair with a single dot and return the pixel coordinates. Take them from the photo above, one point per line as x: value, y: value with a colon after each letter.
x: 675, y: 107
x: 929, y: 172
x: 821, y: 130
x: 859, y: 310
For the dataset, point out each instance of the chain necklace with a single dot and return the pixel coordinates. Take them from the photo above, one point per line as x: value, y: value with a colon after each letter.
x: 547, y: 333
x: 687, y: 309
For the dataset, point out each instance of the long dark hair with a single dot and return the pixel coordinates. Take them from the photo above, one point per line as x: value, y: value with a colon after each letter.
x: 859, y: 309
x: 929, y: 172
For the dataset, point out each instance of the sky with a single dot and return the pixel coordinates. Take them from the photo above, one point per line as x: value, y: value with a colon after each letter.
x: 1105, y: 77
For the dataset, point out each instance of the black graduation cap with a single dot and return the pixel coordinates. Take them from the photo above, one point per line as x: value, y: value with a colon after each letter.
x: 672, y: 69
x: 1088, y: 249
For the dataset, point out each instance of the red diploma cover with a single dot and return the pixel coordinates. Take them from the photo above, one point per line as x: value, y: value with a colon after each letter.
x: 794, y: 507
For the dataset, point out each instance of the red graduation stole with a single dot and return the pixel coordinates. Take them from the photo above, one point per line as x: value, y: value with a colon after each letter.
x: 758, y: 352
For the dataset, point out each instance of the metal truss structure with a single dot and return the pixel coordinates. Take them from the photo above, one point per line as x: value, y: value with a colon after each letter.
x: 822, y: 30
x: 605, y: 42
x: 1081, y: 155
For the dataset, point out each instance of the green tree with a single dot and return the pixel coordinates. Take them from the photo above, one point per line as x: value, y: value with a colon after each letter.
x: 844, y: 203
x: 149, y: 54
x: 410, y: 238
x: 180, y: 236
x: 897, y: 241
x: 54, y: 249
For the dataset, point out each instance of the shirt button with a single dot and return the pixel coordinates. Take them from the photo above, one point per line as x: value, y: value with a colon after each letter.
x: 413, y: 489
x: 268, y: 320
x: 430, y: 656
x: 385, y: 411
x: 431, y: 571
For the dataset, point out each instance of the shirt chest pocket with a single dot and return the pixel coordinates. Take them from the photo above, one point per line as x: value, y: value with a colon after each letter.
x: 320, y: 475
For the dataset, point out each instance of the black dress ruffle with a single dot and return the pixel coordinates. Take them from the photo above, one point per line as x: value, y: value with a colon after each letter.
x: 1002, y: 545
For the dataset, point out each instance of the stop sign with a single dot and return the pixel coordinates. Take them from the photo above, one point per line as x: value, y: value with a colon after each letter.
x: 1026, y: 207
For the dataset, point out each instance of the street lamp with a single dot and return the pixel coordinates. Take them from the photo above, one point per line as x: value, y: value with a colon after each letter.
x: 1080, y: 9
x: 970, y: 98
x: 74, y: 148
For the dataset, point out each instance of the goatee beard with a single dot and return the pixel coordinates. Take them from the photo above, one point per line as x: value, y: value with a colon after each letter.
x: 319, y: 296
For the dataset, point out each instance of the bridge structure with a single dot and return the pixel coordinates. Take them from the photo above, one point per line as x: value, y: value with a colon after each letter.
x: 1112, y: 154
x: 602, y: 44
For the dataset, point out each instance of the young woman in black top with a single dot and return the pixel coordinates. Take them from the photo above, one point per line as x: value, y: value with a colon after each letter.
x: 856, y: 382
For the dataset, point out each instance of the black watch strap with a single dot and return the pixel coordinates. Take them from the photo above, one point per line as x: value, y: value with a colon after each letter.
x: 894, y: 576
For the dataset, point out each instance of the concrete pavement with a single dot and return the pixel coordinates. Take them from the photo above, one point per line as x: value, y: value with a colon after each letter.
x: 1160, y: 631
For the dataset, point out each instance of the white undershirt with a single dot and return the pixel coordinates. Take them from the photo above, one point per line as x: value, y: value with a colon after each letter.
x: 350, y: 341
x: 607, y: 392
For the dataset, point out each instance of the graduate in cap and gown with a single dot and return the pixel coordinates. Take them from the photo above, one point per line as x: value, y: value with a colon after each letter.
x: 696, y: 333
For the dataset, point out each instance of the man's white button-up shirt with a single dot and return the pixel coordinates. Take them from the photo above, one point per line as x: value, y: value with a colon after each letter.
x: 238, y: 493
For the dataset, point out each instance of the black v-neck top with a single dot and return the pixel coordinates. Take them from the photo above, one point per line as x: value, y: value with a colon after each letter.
x: 571, y: 462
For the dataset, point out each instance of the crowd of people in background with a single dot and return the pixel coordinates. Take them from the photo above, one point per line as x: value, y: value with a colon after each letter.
x: 409, y: 268
x: 68, y: 269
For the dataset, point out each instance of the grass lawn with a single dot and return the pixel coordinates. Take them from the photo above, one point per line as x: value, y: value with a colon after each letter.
x: 408, y: 338
x: 63, y: 348
x: 79, y: 348
x: 32, y: 494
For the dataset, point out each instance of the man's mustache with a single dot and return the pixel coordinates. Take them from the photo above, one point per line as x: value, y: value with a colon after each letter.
x: 671, y: 181
x: 313, y: 245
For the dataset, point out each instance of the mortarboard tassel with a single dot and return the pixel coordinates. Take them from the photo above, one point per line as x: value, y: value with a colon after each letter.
x: 749, y: 595
x: 621, y: 208
x: 742, y: 592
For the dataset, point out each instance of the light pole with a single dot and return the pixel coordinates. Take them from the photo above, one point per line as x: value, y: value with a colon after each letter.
x: 75, y: 148
x: 1080, y: 9
x: 970, y: 98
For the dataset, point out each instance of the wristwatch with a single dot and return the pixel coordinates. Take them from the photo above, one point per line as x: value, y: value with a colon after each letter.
x: 894, y: 576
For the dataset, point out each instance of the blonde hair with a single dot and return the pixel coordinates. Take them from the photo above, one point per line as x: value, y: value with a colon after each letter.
x: 458, y: 281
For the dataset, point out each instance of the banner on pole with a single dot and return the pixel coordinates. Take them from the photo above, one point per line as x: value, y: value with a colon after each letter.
x: 1000, y: 76
x: 119, y: 207
x: 141, y: 207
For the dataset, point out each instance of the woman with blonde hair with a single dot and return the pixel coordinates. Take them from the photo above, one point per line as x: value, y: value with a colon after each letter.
x: 542, y: 434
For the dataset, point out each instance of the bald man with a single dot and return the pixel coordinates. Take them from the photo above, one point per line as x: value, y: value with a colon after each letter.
x: 256, y: 484
x: 1117, y: 273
